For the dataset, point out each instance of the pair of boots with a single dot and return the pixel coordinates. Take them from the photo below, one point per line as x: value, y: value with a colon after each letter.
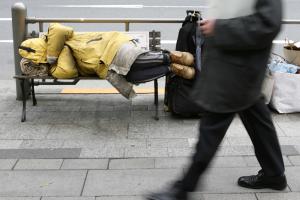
x: 181, y: 63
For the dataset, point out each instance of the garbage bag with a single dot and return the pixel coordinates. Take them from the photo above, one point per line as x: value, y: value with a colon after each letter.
x: 95, y: 51
x: 66, y: 66
x: 268, y: 85
x: 34, y: 49
x: 283, y: 68
x: 291, y: 53
x: 57, y: 36
x: 286, y: 93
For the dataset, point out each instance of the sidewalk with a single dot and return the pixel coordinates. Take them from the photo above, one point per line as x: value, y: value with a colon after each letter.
x: 104, y: 147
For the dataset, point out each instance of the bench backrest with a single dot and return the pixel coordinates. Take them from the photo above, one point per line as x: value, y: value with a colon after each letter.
x: 146, y: 40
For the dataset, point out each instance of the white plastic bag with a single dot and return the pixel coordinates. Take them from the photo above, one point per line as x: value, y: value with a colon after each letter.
x: 267, y: 88
x: 286, y: 92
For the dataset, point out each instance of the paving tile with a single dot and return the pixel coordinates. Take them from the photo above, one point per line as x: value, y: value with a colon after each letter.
x: 127, y: 182
x: 172, y: 143
x: 229, y: 197
x: 95, y: 107
x: 290, y: 128
x: 30, y: 164
x: 228, y: 161
x: 123, y: 116
x: 74, y: 131
x: 7, y: 164
x: 147, y: 116
x: 295, y: 160
x: 23, y: 131
x: 105, y: 143
x: 39, y: 153
x: 192, y: 121
x: 251, y: 161
x: 143, y: 100
x: 235, y: 151
x: 84, y: 117
x: 293, y: 177
x: 53, y: 108
x: 162, y: 129
x: 41, y: 183
x: 102, y: 152
x: 112, y: 100
x: 169, y: 163
x: 237, y: 129
x: 10, y: 144
x: 6, y: 106
x: 55, y: 100
x: 131, y: 163
x: 289, y: 140
x: 121, y: 198
x: 8, y: 115
x: 146, y: 152
x: 85, y: 164
x: 180, y: 152
x: 20, y: 198
x: 240, y: 141
x: 293, y: 116
x: 249, y: 150
x: 88, y: 131
x: 54, y: 118
x: 297, y: 147
x: 193, y: 142
x: 140, y: 107
x: 280, y: 117
x: 42, y: 144
x: 280, y: 132
x: 68, y: 198
x: 289, y: 150
x: 122, y: 108
x: 278, y: 196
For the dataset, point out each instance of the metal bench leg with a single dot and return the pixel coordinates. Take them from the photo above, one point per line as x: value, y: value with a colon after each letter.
x: 33, y: 93
x: 23, y: 119
x: 156, y: 99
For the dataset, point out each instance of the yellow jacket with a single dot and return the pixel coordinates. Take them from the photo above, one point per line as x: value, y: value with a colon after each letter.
x: 57, y: 35
x: 94, y: 51
x: 34, y: 49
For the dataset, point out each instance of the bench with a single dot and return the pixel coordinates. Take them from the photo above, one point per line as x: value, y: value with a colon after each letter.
x: 153, y: 42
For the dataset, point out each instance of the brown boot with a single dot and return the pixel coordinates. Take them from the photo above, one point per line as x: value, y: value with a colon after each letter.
x: 183, y: 71
x: 183, y: 58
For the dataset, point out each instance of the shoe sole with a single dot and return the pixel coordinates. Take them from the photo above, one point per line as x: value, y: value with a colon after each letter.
x: 178, y: 58
x: 149, y: 198
x: 262, y: 187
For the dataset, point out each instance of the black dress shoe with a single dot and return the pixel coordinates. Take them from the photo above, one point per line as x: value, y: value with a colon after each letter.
x: 261, y: 181
x: 172, y: 194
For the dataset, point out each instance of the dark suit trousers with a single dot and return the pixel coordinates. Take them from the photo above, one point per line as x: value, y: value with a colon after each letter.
x: 213, y: 126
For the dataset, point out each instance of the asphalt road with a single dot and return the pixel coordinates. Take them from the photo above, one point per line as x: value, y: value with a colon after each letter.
x: 116, y: 9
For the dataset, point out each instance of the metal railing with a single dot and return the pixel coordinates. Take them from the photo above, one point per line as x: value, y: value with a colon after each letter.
x: 20, y: 23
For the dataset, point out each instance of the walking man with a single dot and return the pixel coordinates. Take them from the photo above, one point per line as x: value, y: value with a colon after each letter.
x: 239, y: 37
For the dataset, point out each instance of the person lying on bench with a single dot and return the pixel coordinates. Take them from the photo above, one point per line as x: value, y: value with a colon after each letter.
x: 113, y: 56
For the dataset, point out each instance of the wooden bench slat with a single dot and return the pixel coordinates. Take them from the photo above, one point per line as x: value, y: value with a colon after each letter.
x: 53, y: 78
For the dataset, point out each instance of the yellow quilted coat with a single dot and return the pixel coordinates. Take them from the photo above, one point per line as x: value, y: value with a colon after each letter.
x: 34, y: 49
x: 66, y: 66
x: 94, y: 51
x: 57, y: 35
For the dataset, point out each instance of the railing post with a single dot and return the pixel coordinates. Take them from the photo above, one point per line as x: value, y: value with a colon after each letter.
x: 19, y: 27
x: 126, y: 26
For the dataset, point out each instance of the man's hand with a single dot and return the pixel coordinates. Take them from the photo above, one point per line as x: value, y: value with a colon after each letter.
x: 208, y: 27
